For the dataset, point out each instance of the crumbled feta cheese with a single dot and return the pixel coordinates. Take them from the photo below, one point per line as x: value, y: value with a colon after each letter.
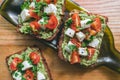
x: 42, y: 21
x: 17, y: 75
x: 40, y: 76
x: 83, y: 51
x: 32, y: 5
x: 51, y: 8
x: 70, y: 32
x: 94, y: 43
x: 84, y: 23
x: 80, y: 36
x: 26, y: 65
x: 25, y: 15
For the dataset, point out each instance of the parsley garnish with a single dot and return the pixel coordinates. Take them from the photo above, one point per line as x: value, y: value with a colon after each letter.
x: 90, y: 38
x: 23, y: 78
x: 25, y: 4
x: 20, y: 66
x: 89, y: 22
x: 69, y: 22
x: 72, y: 47
x: 34, y: 68
x: 39, y: 6
x: 16, y: 74
x: 84, y: 44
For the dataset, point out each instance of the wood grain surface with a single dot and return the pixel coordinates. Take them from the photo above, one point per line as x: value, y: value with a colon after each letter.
x: 11, y: 42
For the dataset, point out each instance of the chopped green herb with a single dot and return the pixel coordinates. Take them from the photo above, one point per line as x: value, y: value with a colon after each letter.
x: 44, y: 14
x: 81, y: 28
x: 23, y: 78
x: 34, y: 69
x: 89, y: 22
x: 84, y: 44
x: 39, y: 6
x: 69, y: 22
x: 90, y: 38
x: 25, y: 4
x: 16, y: 74
x: 72, y: 47
x: 20, y: 66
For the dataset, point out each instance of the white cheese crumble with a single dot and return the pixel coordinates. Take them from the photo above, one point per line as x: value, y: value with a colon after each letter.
x: 17, y: 75
x: 40, y: 76
x: 67, y: 48
x: 25, y: 15
x: 80, y: 36
x: 26, y: 65
x: 83, y: 51
x: 94, y: 43
x: 70, y: 32
x: 84, y: 23
x: 32, y: 5
x: 51, y: 8
x: 42, y: 21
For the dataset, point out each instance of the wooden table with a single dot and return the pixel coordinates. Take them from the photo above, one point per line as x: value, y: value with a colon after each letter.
x: 11, y: 42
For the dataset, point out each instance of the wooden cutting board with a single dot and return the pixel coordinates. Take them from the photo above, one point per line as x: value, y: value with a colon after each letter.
x: 11, y: 42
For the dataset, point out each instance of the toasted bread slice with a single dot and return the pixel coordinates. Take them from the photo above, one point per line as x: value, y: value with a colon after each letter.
x: 41, y: 18
x: 81, y: 37
x: 28, y: 64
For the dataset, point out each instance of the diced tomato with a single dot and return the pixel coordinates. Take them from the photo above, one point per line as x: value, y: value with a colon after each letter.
x: 13, y: 66
x: 73, y: 26
x: 34, y: 25
x: 76, y: 42
x: 29, y: 75
x: 76, y: 21
x: 14, y: 63
x: 75, y: 58
x: 91, y: 52
x: 96, y: 25
x: 33, y: 14
x: 93, y: 32
x: 35, y: 57
x: 52, y: 22
x: 48, y: 1
x: 55, y: 1
x: 37, y: 0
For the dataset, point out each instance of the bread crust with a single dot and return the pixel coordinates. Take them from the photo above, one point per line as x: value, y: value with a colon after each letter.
x: 43, y: 60
x: 57, y: 30
x: 60, y: 53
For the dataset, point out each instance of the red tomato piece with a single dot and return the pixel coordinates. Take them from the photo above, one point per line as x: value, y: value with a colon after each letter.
x: 96, y: 25
x: 34, y: 25
x: 73, y: 26
x: 29, y: 75
x: 55, y: 1
x: 14, y: 63
x: 75, y: 58
x: 91, y: 52
x: 76, y: 42
x: 52, y: 22
x: 35, y: 57
x: 33, y: 14
x: 37, y: 0
x: 92, y: 32
x: 48, y: 1
x: 76, y: 21
x: 13, y: 66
